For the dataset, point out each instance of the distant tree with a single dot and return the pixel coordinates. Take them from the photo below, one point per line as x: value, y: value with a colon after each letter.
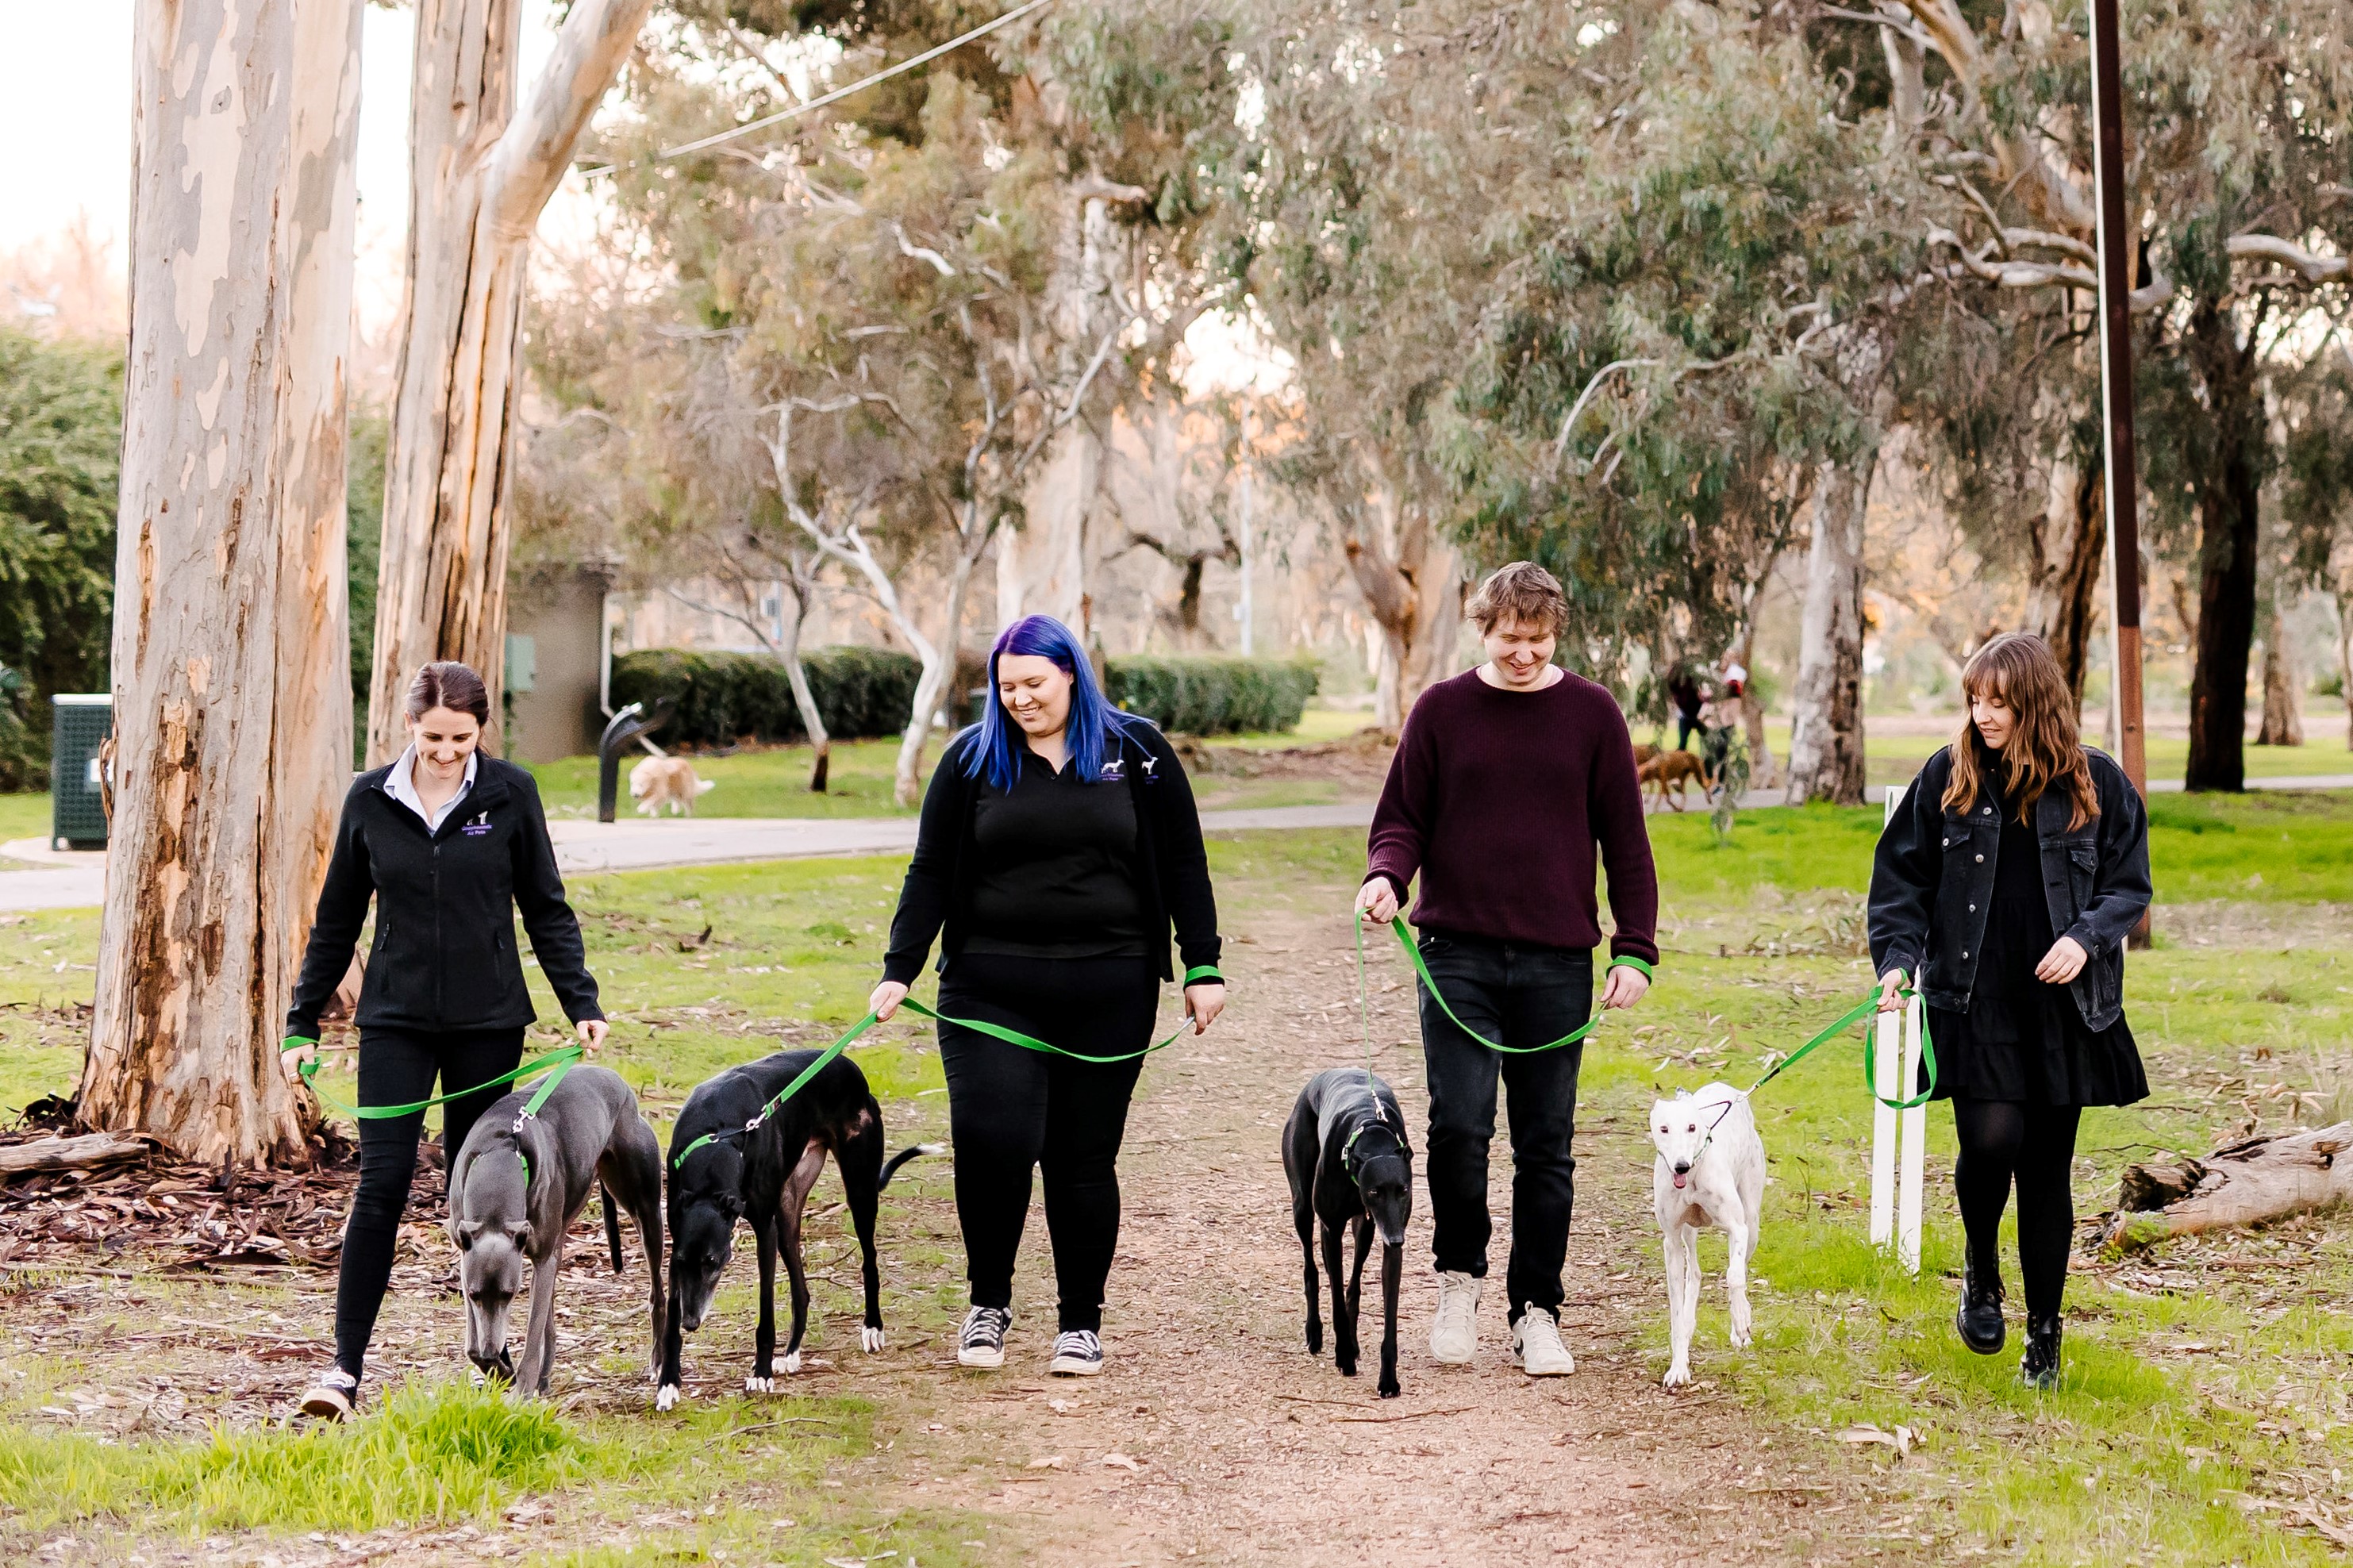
x: 60, y: 439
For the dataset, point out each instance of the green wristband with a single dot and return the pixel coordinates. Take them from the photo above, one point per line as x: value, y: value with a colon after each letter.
x: 1201, y: 971
x: 1630, y: 961
x: 294, y: 1042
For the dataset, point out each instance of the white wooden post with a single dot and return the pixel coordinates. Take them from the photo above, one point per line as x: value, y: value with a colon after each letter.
x: 1896, y: 1139
x: 1911, y: 1143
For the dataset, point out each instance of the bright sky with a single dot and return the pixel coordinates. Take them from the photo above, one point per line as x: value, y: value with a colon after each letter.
x: 65, y: 106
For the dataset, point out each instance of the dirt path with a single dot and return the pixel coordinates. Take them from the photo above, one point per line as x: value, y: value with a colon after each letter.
x: 1249, y: 1451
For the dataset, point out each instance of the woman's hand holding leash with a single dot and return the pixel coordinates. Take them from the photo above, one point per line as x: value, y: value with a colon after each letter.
x: 1203, y: 1002
x: 592, y: 1034
x: 2063, y: 963
x: 1377, y: 901
x: 297, y: 1057
x: 1892, y: 998
x: 884, y: 1000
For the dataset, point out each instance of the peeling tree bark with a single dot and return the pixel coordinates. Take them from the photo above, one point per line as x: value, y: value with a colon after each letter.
x: 1826, y: 736
x: 231, y: 684
x: 2283, y: 724
x: 483, y: 169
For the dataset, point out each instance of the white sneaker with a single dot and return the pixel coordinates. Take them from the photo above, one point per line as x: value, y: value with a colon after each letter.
x: 333, y: 1396
x: 1454, y: 1335
x: 1536, y: 1344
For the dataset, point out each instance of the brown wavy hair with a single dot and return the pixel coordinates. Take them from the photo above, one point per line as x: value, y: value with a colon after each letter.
x: 446, y: 683
x: 2044, y: 748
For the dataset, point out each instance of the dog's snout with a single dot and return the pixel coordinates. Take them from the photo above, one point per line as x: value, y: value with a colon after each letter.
x: 1682, y: 1167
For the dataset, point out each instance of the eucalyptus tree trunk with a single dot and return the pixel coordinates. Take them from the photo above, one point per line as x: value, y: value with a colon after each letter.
x: 483, y: 167
x: 2283, y: 723
x: 232, y: 694
x: 803, y: 584
x: 1826, y: 737
x: 2070, y: 550
x: 1412, y: 584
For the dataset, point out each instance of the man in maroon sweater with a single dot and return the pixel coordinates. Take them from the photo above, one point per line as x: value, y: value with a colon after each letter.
x: 1506, y: 779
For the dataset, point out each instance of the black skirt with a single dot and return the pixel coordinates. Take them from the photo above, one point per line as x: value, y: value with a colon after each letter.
x: 2021, y: 1039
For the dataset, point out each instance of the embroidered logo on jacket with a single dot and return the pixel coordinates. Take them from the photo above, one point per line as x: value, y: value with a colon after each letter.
x: 476, y: 828
x: 1114, y: 770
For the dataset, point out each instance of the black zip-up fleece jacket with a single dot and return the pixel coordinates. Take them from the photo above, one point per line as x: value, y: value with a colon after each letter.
x: 1173, y: 867
x: 1932, y: 884
x: 445, y: 951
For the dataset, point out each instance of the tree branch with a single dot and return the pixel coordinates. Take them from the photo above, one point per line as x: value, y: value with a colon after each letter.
x: 2314, y: 268
x: 534, y: 149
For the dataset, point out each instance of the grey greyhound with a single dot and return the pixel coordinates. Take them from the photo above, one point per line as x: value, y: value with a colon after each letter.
x: 518, y: 1184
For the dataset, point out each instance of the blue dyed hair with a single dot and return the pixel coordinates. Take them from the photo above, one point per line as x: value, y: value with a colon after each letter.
x: 1093, y: 726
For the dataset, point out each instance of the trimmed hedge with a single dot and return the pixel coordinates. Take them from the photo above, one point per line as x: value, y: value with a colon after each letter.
x: 1209, y: 696
x: 724, y: 698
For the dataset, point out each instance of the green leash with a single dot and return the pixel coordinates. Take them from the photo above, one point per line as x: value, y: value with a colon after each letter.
x: 564, y: 1059
x: 1413, y: 955
x: 995, y: 1031
x: 1869, y: 1005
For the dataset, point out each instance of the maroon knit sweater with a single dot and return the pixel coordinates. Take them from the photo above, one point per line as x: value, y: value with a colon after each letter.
x: 1498, y: 798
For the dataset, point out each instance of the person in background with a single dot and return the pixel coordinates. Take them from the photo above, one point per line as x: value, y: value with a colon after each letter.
x: 1058, y: 845
x: 2005, y: 888
x: 1684, y: 691
x: 1506, y: 780
x: 449, y: 843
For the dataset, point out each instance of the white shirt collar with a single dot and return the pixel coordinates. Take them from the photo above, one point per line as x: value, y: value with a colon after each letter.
x: 401, y: 784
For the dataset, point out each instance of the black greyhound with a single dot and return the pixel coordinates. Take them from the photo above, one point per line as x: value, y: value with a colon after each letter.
x: 1346, y: 1153
x: 723, y: 1168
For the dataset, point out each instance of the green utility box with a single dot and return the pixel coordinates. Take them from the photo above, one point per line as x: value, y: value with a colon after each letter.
x: 76, y: 799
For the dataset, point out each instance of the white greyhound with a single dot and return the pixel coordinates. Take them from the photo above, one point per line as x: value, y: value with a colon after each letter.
x: 1710, y: 1172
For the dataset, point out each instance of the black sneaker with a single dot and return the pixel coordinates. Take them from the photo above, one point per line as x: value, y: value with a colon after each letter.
x: 1979, y: 1316
x: 982, y: 1341
x: 1077, y: 1353
x: 2039, y: 1367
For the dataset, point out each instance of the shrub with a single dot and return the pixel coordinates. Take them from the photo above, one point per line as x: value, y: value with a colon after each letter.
x: 1207, y: 696
x: 724, y: 698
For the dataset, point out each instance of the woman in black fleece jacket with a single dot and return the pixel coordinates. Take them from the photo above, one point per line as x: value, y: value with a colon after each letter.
x: 1058, y: 845
x: 450, y: 842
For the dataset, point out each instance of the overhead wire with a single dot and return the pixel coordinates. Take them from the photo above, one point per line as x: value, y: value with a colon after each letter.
x: 836, y: 95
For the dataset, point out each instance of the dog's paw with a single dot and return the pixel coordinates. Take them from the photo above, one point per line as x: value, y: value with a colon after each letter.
x: 1740, y: 1336
x: 759, y: 1386
x: 1389, y: 1389
x: 666, y: 1397
x: 1677, y: 1376
x: 869, y: 1340
x: 1314, y: 1338
x: 1345, y: 1365
x: 790, y: 1365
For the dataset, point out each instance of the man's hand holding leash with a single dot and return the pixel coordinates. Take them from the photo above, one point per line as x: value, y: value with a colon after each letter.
x: 1625, y: 986
x: 1377, y: 901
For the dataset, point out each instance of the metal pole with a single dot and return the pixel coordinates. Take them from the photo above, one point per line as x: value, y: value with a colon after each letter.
x: 2120, y: 480
x: 1245, y: 611
x: 2118, y: 250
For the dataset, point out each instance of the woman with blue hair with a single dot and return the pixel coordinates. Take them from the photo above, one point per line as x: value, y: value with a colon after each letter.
x: 1058, y: 843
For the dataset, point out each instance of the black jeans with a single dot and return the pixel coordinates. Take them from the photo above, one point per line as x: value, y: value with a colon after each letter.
x: 1519, y: 996
x: 398, y: 1067
x: 1012, y: 1110
x: 1684, y: 725
x: 2002, y: 1140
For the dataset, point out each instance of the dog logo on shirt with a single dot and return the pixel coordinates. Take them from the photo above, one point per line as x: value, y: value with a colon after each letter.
x: 477, y: 827
x: 1114, y: 770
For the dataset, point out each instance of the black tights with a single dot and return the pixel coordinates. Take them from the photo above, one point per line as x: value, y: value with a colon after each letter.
x: 2036, y: 1144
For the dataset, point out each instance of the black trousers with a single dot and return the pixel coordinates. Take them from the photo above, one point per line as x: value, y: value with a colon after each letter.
x: 1520, y: 996
x: 398, y: 1067
x: 1012, y: 1110
x: 2033, y: 1145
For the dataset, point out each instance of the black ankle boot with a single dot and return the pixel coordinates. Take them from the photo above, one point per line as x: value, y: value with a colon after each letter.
x: 1979, y: 1317
x: 2039, y: 1367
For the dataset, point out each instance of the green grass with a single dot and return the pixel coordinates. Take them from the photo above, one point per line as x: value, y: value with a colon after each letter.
x: 446, y: 1454
x: 23, y: 816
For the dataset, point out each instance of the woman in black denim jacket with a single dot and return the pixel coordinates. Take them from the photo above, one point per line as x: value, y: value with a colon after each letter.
x: 2006, y: 885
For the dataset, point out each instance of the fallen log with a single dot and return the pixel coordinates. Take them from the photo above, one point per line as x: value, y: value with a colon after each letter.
x: 2248, y: 1183
x: 41, y: 1155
